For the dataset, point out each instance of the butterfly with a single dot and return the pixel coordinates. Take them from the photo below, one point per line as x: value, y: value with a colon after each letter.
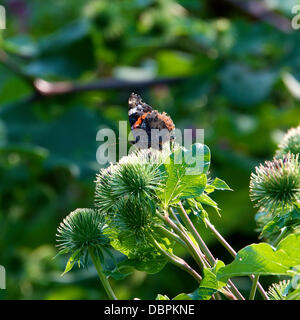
x: 142, y: 116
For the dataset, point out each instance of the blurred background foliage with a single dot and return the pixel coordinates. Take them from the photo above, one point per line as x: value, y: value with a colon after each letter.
x: 208, y: 64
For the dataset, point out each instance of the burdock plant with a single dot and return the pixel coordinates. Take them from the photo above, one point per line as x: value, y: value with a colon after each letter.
x: 82, y: 234
x: 149, y: 202
x: 127, y: 195
x: 136, y: 177
x: 279, y: 291
x: 275, y: 188
x: 276, y: 184
x: 290, y: 143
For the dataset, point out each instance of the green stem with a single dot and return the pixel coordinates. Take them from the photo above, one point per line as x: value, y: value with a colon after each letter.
x: 255, y: 279
x: 193, y: 250
x: 176, y: 238
x: 172, y: 236
x: 227, y: 246
x: 220, y: 238
x: 188, y: 223
x: 184, y: 216
x: 253, y: 288
x: 177, y: 261
x: 283, y: 232
x: 102, y: 276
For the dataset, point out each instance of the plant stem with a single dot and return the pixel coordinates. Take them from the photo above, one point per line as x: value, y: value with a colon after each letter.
x: 283, y: 232
x: 194, y: 251
x: 253, y: 288
x: 233, y: 253
x: 102, y: 276
x: 178, y: 239
x: 189, y: 240
x: 255, y: 279
x: 177, y: 261
x: 172, y: 236
x: 220, y: 238
x: 184, y: 216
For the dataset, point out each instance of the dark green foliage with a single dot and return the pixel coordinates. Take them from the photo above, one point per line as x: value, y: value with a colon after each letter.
x: 236, y: 89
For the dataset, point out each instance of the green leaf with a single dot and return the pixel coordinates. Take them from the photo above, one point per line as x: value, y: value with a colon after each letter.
x: 246, y: 87
x: 162, y: 297
x: 12, y: 86
x: 56, y: 139
x: 72, y: 260
x: 196, y: 209
x: 287, y: 220
x: 205, y: 199
x: 150, y: 264
x: 21, y: 44
x: 263, y: 259
x: 172, y: 63
x: 294, y: 295
x: 208, y: 286
x: 185, y: 178
x: 67, y: 53
x: 184, y: 296
x: 217, y: 184
x: 116, y: 274
x: 114, y: 264
x: 141, y: 254
x: 197, y: 159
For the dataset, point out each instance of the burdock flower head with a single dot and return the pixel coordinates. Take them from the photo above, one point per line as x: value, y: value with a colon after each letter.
x: 136, y: 177
x: 290, y: 143
x: 126, y: 194
x: 276, y: 184
x: 279, y: 291
x: 129, y: 227
x: 81, y: 231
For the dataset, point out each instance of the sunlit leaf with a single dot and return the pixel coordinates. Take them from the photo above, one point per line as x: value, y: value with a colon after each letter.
x: 263, y: 259
x: 217, y: 184
x: 208, y: 286
x: 186, y: 179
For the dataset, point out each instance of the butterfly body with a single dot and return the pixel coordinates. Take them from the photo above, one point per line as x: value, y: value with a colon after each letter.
x: 142, y: 116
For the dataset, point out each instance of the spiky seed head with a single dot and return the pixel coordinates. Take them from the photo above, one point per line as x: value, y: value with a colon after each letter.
x: 276, y: 184
x: 136, y: 177
x: 81, y: 230
x: 290, y: 143
x: 133, y: 218
x: 278, y: 291
x: 105, y: 199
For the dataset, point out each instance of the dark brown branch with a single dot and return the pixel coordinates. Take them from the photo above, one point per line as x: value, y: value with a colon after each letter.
x: 46, y: 88
x: 258, y: 10
x: 43, y: 88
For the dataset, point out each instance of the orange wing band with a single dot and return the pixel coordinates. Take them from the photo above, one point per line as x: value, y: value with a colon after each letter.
x: 140, y: 120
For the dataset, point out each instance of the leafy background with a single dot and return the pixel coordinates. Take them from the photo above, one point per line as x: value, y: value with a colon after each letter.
x: 209, y: 64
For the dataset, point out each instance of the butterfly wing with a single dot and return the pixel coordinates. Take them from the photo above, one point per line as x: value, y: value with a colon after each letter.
x: 136, y: 109
x: 142, y: 116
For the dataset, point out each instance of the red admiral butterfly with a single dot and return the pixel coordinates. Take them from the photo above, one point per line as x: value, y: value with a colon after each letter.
x: 142, y: 116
